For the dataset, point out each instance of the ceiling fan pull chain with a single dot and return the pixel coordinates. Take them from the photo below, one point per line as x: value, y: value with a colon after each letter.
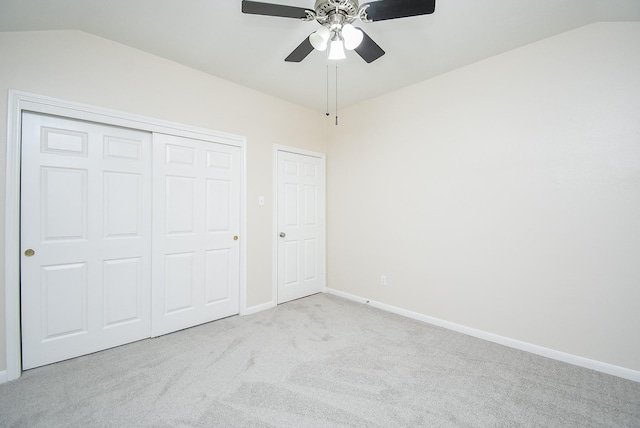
x: 327, y: 90
x: 336, y: 94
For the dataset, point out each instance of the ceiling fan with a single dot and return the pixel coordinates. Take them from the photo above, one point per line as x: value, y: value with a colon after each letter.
x: 336, y: 18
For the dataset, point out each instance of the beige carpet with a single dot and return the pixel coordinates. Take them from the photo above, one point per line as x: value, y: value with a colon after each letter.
x: 321, y: 361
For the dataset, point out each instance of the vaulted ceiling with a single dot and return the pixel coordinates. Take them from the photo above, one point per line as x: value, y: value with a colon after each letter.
x: 214, y: 36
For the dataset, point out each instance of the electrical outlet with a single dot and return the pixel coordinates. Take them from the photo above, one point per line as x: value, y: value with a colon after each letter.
x: 383, y: 280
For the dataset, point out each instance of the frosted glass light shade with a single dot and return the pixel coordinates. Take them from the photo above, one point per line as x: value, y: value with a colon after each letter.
x: 336, y: 50
x: 320, y: 39
x: 352, y: 36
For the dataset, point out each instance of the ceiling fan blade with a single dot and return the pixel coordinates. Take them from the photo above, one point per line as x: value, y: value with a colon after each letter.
x: 368, y: 49
x: 269, y: 9
x: 300, y: 52
x: 393, y: 9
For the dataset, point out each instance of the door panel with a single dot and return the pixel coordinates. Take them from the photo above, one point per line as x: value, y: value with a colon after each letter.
x: 122, y: 289
x: 217, y: 279
x: 197, y: 216
x: 218, y: 197
x: 86, y: 212
x: 180, y: 205
x: 311, y: 259
x: 123, y: 204
x: 300, y: 184
x: 64, y: 203
x: 64, y: 300
x: 179, y: 285
x: 291, y: 263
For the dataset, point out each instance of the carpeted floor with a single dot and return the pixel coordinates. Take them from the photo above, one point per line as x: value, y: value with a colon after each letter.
x: 321, y: 361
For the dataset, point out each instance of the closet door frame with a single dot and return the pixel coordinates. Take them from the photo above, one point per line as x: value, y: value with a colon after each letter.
x: 23, y: 101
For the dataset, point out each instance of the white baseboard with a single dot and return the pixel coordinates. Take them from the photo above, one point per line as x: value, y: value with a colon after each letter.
x: 258, y: 308
x: 3, y: 377
x: 599, y: 366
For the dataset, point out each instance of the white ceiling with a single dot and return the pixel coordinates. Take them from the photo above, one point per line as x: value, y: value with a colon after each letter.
x: 215, y: 37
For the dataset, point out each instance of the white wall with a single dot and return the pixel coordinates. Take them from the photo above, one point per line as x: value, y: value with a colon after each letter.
x: 504, y: 196
x: 78, y: 67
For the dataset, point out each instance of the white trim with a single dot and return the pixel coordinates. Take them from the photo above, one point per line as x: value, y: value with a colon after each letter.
x: 274, y: 230
x: 244, y: 238
x: 598, y: 366
x: 19, y: 101
x: 348, y: 296
x: 12, y: 241
x: 3, y: 377
x: 49, y: 105
x: 297, y: 151
x: 274, y: 251
x: 258, y: 308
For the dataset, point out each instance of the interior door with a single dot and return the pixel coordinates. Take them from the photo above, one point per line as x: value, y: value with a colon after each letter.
x: 85, y: 236
x: 196, y: 223
x: 300, y: 219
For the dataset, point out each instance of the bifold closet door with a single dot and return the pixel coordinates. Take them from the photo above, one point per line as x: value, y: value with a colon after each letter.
x: 85, y: 237
x: 196, y: 225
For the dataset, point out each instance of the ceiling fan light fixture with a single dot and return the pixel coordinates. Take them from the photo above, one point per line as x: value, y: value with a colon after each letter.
x: 352, y: 36
x: 336, y: 49
x: 320, y: 39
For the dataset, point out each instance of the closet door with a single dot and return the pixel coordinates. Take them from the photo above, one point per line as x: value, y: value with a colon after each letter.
x: 85, y: 237
x: 196, y: 224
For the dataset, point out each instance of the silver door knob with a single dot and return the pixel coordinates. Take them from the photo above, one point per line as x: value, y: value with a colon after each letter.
x: 282, y: 234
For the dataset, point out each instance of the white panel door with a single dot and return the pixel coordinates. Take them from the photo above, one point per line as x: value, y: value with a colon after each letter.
x: 196, y: 223
x: 301, y: 201
x: 85, y: 236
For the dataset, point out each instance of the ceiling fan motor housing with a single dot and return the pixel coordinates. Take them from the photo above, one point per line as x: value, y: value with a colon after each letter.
x: 326, y: 9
